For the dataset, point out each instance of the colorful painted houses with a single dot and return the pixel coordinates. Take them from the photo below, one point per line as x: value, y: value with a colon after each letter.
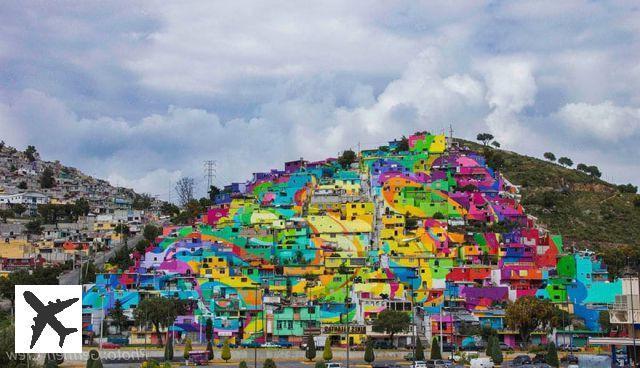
x: 430, y: 231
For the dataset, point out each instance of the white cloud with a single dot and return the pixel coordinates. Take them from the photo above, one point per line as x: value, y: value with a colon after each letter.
x: 150, y: 91
x: 604, y: 121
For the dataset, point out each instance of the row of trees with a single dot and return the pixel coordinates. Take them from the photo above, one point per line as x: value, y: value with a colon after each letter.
x: 564, y: 161
x: 591, y: 170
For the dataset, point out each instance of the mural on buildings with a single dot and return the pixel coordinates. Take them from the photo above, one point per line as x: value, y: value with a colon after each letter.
x: 414, y: 227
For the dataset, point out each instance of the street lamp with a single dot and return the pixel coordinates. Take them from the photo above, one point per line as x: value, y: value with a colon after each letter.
x: 413, y: 277
x: 255, y: 327
x: 102, y: 320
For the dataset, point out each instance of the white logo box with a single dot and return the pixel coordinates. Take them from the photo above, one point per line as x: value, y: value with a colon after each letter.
x: 70, y: 317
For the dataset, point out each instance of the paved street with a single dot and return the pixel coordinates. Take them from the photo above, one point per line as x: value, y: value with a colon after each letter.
x: 71, y: 277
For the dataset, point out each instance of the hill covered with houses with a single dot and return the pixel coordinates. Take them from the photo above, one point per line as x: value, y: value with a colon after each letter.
x: 425, y: 226
x: 27, y: 181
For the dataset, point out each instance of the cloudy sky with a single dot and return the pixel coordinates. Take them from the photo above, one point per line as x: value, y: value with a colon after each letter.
x: 143, y: 94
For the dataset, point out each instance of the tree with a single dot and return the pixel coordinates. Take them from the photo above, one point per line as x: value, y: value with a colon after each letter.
x: 494, y: 351
x: 54, y: 358
x: 209, y: 350
x: 214, y: 191
x: 327, y: 354
x: 142, y: 201
x: 485, y: 138
x: 34, y: 227
x: 593, y: 171
x: 47, y: 179
x: 551, y: 357
x: 269, y: 363
x: 208, y: 329
x: 184, y: 188
x: 565, y: 161
x: 226, y: 352
x: 81, y: 207
x: 604, y: 322
x: 31, y: 153
x: 527, y: 314
x: 39, y: 276
x: 5, y: 214
x: 151, y: 232
x: 169, y: 209
x: 435, y: 349
x: 168, y: 350
x: 549, y: 156
x: 419, y: 350
x: 347, y: 158
x: 141, y: 245
x: 117, y: 315
x: 243, y: 364
x: 320, y: 365
x: 310, y: 352
x: 22, y: 185
x: 369, y: 355
x: 628, y: 188
x: 187, y: 349
x: 391, y: 322
x: 160, y: 312
x: 18, y: 209
x: 496, y: 144
x: 94, y: 357
x: 403, y: 145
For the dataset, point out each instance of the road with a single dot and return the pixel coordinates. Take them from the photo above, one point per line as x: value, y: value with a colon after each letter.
x: 72, y: 277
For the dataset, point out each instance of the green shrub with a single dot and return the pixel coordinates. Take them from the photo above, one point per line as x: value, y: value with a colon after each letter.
x: 435, y: 349
x: 226, y: 352
x: 269, y: 363
x: 327, y: 354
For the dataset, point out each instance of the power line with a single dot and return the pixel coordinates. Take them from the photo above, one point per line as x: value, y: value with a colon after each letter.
x: 209, y: 171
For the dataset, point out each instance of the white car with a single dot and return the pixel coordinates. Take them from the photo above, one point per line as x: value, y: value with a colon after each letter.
x: 419, y: 364
x: 269, y: 344
x: 481, y: 363
x: 333, y: 365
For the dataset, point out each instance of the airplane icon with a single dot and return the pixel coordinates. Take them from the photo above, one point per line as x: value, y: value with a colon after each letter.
x: 47, y: 316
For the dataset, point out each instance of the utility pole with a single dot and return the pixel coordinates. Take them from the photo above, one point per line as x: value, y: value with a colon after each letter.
x: 210, y: 172
x: 348, y: 306
x: 450, y: 134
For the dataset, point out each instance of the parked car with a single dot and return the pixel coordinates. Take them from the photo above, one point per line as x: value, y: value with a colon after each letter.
x: 198, y: 357
x: 438, y: 363
x: 539, y: 358
x: 419, y: 364
x: 110, y: 345
x: 521, y: 360
x: 381, y: 344
x: 232, y: 346
x: 269, y: 344
x: 505, y: 347
x: 482, y: 363
x: 285, y: 344
x: 333, y: 365
x: 570, y: 359
x: 252, y: 344
x: 567, y: 347
x: 448, y: 347
x: 386, y: 365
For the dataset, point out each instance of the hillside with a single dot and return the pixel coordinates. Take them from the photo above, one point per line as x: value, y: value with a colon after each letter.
x: 26, y: 172
x: 589, y: 212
